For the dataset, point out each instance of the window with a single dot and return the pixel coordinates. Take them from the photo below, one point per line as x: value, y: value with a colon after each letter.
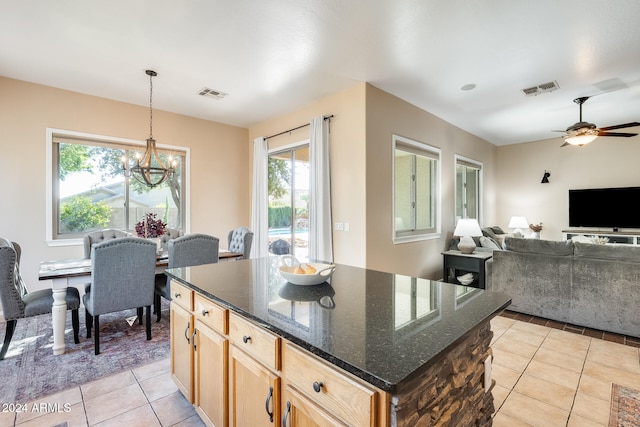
x: 288, y: 170
x: 468, y: 188
x: 415, y: 190
x: 89, y: 190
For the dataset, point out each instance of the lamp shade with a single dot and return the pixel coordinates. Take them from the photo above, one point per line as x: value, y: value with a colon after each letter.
x: 518, y: 222
x: 467, y: 227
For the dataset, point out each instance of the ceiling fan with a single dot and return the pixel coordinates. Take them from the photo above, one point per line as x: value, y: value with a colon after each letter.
x: 582, y: 133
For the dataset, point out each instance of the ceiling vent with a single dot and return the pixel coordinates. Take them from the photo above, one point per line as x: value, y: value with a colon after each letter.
x: 212, y: 93
x: 541, y: 88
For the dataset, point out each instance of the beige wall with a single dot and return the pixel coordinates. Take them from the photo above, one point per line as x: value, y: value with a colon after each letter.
x: 388, y: 115
x: 347, y: 163
x: 364, y: 120
x: 606, y: 162
x: 220, y: 199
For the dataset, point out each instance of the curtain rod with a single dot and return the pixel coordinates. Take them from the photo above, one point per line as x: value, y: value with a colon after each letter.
x: 299, y: 127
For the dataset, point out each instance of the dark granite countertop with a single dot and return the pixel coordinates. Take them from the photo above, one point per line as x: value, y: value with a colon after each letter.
x: 384, y: 328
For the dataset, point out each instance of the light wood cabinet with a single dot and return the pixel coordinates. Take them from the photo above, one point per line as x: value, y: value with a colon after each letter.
x: 254, y: 391
x: 210, y: 376
x: 181, y: 325
x: 299, y: 411
x: 312, y: 386
x: 237, y: 373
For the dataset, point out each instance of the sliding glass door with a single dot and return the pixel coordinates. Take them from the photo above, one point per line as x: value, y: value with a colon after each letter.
x: 289, y: 201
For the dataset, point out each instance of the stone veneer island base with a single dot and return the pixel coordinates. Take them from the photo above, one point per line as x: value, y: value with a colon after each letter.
x: 369, y: 348
x: 451, y: 392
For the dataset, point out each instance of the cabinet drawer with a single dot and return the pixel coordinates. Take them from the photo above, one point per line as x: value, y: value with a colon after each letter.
x: 256, y: 341
x: 182, y: 295
x: 339, y: 394
x: 210, y: 313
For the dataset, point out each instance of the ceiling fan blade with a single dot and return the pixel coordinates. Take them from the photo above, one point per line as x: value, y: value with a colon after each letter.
x: 626, y: 125
x: 616, y: 134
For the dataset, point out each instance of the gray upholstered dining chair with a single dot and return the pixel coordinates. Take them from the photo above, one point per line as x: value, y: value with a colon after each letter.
x: 100, y: 236
x: 185, y: 251
x: 18, y: 303
x: 239, y: 240
x: 169, y: 234
x: 122, y: 277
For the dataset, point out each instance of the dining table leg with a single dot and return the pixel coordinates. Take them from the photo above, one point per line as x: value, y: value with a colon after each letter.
x: 59, y: 314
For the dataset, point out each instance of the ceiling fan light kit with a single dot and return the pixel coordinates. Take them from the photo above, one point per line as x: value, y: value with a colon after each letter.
x: 582, y: 133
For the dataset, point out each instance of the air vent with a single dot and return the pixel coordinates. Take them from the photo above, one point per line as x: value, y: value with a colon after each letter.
x: 212, y: 93
x: 541, y: 88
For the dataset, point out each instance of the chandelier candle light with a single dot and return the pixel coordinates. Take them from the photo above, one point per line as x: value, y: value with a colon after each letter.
x: 149, y: 169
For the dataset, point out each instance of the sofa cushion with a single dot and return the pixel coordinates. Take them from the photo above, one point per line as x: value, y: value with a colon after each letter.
x: 487, y: 242
x: 607, y: 252
x: 538, y: 246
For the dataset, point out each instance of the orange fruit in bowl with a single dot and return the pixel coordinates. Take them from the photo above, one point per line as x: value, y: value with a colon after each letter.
x: 310, y: 269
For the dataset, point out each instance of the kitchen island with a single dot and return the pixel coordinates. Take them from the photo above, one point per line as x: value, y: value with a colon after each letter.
x: 365, y: 348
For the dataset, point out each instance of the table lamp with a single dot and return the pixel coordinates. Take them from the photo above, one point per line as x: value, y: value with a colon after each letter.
x: 517, y: 223
x: 466, y: 229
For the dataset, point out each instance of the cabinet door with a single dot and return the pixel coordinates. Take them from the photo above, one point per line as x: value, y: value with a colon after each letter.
x: 254, y: 392
x: 182, y: 350
x: 299, y: 411
x: 210, y: 359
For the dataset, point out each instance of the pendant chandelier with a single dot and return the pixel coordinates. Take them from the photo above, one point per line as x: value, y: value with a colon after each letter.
x: 149, y: 169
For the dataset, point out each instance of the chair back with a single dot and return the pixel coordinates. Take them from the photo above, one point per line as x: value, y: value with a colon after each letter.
x: 122, y: 274
x: 239, y: 240
x: 100, y: 236
x: 193, y: 249
x: 12, y: 303
x: 169, y: 234
x: 280, y: 247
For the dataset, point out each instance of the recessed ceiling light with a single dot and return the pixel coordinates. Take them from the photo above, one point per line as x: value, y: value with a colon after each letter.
x: 469, y: 86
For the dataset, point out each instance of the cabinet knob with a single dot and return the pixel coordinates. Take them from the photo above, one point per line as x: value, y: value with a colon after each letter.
x: 317, y: 386
x: 177, y: 295
x: 246, y: 339
x: 205, y: 312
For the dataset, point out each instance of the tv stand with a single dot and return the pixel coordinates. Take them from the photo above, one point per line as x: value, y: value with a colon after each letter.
x: 621, y: 237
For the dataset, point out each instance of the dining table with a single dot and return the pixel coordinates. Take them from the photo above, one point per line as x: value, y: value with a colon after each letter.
x: 77, y: 271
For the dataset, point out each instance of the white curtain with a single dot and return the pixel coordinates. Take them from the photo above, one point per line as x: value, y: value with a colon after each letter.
x: 320, y: 242
x: 259, y: 200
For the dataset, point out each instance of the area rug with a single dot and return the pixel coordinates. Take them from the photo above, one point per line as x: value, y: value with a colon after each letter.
x: 625, y: 407
x: 30, y: 370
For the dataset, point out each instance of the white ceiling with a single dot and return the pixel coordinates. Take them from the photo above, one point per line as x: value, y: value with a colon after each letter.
x: 273, y: 57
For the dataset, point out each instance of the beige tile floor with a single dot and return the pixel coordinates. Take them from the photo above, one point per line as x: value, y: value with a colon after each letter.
x: 544, y: 377
x: 549, y: 377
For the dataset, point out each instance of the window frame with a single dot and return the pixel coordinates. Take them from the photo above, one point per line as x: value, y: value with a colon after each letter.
x: 468, y: 162
x: 50, y: 192
x: 428, y: 151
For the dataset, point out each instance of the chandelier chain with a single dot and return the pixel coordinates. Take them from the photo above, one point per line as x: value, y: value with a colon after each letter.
x: 150, y: 106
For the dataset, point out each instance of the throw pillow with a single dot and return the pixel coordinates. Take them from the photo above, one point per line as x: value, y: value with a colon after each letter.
x: 497, y: 230
x: 486, y: 242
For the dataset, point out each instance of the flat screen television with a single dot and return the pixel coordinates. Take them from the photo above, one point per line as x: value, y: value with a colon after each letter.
x: 604, y: 207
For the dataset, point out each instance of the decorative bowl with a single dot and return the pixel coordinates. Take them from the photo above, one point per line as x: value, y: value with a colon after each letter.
x: 323, y: 272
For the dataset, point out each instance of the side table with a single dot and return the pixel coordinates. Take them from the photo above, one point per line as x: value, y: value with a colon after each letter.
x: 456, y: 264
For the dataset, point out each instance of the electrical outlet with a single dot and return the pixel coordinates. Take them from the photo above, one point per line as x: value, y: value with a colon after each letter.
x: 339, y: 226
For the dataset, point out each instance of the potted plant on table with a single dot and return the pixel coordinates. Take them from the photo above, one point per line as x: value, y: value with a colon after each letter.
x: 535, y: 230
x: 151, y: 227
